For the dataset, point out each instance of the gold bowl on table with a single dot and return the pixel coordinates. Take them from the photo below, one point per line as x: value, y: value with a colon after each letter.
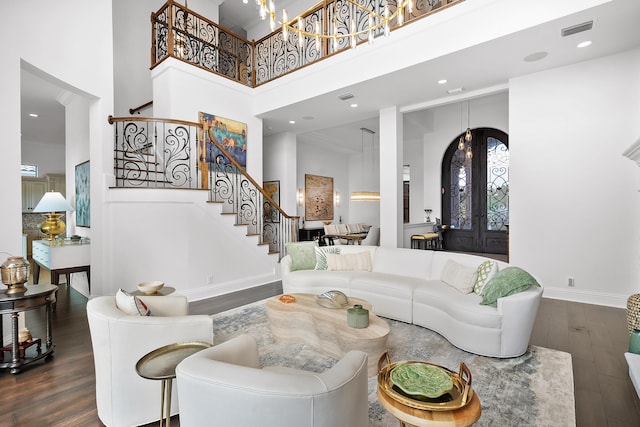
x: 456, y: 397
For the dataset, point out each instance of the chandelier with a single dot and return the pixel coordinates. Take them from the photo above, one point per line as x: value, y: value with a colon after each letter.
x: 375, y: 21
x: 464, y: 144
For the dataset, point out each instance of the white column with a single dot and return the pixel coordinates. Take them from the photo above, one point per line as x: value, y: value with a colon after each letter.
x: 391, y: 146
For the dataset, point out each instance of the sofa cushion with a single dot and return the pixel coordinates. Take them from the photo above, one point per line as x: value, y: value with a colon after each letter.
x: 507, y: 281
x: 485, y: 272
x: 466, y: 309
x: 458, y: 276
x: 131, y: 304
x: 360, y: 261
x: 321, y: 255
x: 385, y: 285
x: 303, y: 255
x: 403, y: 262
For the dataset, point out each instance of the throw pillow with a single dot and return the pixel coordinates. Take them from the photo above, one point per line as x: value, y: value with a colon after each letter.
x: 458, y: 276
x: 131, y: 304
x: 507, y: 281
x: 360, y: 261
x: 485, y: 272
x: 303, y: 255
x: 321, y: 255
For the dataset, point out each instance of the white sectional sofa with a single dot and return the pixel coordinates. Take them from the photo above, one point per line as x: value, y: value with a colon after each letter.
x: 406, y: 285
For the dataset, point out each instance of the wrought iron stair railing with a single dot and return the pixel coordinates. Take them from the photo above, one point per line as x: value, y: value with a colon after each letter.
x: 165, y: 153
x: 183, y: 34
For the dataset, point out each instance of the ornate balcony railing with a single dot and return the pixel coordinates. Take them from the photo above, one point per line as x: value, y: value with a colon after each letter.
x: 183, y: 34
x: 163, y: 153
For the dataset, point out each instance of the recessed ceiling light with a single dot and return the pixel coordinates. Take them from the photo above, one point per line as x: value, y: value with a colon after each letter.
x: 354, y: 105
x: 33, y: 115
x: 293, y: 122
x: 456, y: 90
x: 535, y: 57
x: 584, y: 43
x: 245, y: 1
x: 442, y: 81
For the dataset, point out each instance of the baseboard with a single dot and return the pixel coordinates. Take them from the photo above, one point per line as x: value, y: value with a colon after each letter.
x: 218, y: 289
x: 587, y: 297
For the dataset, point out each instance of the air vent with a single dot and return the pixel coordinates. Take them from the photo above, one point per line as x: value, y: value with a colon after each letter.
x: 585, y: 26
x: 345, y: 96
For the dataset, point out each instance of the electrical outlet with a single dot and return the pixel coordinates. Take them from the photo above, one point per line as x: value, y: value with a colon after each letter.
x: 210, y: 280
x: 572, y: 282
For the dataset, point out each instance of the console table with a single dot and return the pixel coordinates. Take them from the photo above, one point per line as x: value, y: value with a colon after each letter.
x: 64, y: 257
x: 35, y: 296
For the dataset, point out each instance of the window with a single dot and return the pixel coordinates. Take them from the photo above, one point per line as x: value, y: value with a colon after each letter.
x: 29, y: 170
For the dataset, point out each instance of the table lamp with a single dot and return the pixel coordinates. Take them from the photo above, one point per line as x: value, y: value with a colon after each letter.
x: 53, y: 202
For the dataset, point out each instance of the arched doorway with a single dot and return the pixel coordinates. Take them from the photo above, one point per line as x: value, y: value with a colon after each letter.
x: 475, y: 193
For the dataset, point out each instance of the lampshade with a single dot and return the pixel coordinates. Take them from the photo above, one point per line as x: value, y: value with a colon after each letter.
x: 52, y: 201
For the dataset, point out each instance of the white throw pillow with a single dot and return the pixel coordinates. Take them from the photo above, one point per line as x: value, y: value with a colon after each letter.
x: 485, y: 272
x: 131, y: 304
x: 458, y: 276
x: 360, y: 261
x: 321, y: 255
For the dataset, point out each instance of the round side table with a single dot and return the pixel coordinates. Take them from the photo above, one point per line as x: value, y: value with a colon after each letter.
x: 160, y: 364
x: 465, y: 416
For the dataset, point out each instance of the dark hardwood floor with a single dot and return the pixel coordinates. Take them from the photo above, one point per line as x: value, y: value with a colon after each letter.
x: 61, y: 392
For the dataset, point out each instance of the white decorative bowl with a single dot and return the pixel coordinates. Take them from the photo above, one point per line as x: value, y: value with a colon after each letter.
x: 150, y: 287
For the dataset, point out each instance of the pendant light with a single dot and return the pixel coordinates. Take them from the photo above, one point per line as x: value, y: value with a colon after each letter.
x: 464, y: 143
x: 367, y: 196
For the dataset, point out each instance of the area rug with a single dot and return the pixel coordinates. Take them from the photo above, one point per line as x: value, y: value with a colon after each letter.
x: 535, y: 389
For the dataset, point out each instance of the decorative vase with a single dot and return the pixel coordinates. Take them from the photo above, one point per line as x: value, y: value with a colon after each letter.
x: 358, y: 317
x: 15, y: 273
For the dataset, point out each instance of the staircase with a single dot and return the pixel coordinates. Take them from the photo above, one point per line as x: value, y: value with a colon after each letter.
x: 165, y: 153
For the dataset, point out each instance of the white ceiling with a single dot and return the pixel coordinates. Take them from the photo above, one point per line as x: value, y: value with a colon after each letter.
x: 475, y: 69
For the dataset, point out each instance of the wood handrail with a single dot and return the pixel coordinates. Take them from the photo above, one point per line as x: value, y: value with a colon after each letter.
x: 140, y: 107
x: 246, y: 174
x: 112, y: 120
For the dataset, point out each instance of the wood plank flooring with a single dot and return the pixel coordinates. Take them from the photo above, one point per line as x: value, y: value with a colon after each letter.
x: 62, y: 392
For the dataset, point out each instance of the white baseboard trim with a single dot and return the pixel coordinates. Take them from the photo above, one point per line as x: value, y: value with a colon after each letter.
x: 587, y: 297
x: 218, y: 289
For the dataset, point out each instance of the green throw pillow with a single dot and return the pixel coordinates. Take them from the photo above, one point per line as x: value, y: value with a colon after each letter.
x: 303, y: 255
x: 485, y: 272
x: 321, y: 255
x: 507, y: 281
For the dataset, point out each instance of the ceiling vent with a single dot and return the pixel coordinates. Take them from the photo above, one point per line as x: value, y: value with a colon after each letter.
x: 345, y: 96
x: 585, y: 26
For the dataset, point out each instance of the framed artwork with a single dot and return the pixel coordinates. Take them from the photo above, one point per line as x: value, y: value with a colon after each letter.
x: 318, y: 197
x: 83, y: 201
x: 272, y: 188
x: 231, y: 134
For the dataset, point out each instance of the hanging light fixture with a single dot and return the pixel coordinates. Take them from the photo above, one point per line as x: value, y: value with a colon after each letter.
x: 367, y: 196
x: 464, y: 143
x: 356, y: 13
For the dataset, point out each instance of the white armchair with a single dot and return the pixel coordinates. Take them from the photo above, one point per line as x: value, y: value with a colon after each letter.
x: 225, y: 385
x: 119, y: 340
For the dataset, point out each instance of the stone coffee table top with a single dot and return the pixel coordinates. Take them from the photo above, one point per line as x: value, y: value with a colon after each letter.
x: 326, y: 329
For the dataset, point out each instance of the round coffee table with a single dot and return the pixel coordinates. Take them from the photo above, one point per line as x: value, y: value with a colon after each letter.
x: 160, y: 364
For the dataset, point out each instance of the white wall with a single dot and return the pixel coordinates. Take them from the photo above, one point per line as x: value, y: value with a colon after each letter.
x: 574, y: 198
x: 315, y: 160
x: 280, y: 164
x: 132, y: 41
x: 48, y: 156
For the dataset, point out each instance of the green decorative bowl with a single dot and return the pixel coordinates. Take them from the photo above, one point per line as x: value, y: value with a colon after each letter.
x: 421, y: 380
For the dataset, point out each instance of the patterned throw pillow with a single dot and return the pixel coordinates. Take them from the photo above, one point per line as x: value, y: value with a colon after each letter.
x: 321, y: 255
x: 303, y: 255
x: 485, y: 272
x: 131, y: 304
x: 508, y: 281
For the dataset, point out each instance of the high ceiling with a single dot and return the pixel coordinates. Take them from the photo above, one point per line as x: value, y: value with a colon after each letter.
x: 325, y: 119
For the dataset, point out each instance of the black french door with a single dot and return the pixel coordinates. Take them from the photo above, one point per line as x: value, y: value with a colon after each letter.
x: 475, y: 193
